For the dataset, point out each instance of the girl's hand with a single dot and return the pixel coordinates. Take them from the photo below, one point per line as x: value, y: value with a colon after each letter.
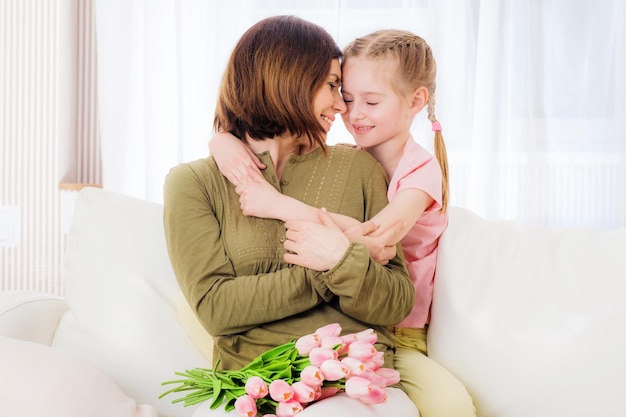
x: 234, y: 158
x: 380, y: 243
x: 258, y: 197
x: 319, y: 246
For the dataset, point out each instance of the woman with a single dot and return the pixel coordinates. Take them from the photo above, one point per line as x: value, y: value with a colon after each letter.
x: 242, y: 275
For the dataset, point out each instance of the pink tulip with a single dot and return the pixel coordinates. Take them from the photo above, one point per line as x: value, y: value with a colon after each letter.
x: 303, y: 393
x: 306, y: 343
x: 288, y: 408
x: 280, y: 390
x: 376, y: 362
x: 368, y: 374
x: 377, y: 395
x: 356, y: 366
x: 364, y: 390
x: 374, y: 377
x: 312, y: 376
x: 389, y: 376
x: 326, y: 392
x: 332, y: 330
x: 245, y: 406
x: 318, y: 393
x: 363, y: 351
x: 334, y: 370
x: 368, y: 335
x: 256, y: 387
x: 357, y: 387
x: 331, y: 341
x: 319, y: 355
x: 349, y: 338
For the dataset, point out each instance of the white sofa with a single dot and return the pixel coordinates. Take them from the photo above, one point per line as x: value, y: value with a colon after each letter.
x: 531, y: 319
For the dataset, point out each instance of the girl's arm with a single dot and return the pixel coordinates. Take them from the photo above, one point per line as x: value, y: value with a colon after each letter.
x: 233, y: 157
x: 260, y: 199
x: 257, y: 197
x: 402, y: 211
x: 391, y: 224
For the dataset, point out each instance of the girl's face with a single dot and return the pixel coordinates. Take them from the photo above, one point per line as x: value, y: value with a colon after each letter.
x: 327, y: 101
x: 376, y: 113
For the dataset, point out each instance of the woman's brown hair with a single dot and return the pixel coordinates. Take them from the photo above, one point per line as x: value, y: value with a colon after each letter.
x: 271, y: 78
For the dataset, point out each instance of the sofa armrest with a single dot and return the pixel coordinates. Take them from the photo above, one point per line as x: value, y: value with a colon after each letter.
x: 30, y: 316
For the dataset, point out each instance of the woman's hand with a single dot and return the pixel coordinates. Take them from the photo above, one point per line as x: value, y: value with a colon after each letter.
x: 319, y: 246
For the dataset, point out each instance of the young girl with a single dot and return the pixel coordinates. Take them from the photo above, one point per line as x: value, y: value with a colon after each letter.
x: 388, y: 78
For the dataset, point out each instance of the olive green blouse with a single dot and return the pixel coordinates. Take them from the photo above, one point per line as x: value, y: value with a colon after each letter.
x: 231, y: 269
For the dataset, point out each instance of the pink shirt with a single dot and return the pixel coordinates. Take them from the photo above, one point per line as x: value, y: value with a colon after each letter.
x: 418, y: 169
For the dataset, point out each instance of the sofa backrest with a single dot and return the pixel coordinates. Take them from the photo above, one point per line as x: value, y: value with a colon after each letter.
x: 531, y: 319
x: 123, y: 298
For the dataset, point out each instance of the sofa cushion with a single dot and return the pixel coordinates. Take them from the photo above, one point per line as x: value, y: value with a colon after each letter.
x: 532, y: 319
x: 122, y: 296
x: 194, y: 329
x: 29, y: 315
x: 61, y: 385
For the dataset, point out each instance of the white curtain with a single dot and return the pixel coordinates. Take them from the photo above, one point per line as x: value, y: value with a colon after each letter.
x: 531, y: 95
x: 153, y: 89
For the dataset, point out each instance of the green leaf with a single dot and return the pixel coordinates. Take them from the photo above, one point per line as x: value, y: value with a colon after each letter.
x: 217, y: 389
x: 217, y: 400
x: 271, y: 355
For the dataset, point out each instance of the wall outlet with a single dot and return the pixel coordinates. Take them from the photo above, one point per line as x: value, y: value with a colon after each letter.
x: 10, y: 226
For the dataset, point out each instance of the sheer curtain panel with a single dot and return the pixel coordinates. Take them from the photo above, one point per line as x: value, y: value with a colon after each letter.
x: 531, y: 95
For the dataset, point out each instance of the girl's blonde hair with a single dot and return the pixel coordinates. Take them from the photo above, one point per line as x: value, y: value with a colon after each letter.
x: 416, y: 68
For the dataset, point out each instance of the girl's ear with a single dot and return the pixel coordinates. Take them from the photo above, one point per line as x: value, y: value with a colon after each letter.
x: 420, y: 99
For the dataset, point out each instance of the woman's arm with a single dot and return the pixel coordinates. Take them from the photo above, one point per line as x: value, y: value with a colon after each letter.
x: 196, y: 210
x: 227, y: 302
x: 366, y: 290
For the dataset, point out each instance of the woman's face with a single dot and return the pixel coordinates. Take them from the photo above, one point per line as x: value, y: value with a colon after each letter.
x: 327, y: 101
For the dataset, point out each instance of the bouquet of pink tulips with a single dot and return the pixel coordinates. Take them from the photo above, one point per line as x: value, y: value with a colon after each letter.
x: 283, y: 381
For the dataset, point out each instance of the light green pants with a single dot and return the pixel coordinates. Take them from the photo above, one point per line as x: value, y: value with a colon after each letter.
x: 435, y: 391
